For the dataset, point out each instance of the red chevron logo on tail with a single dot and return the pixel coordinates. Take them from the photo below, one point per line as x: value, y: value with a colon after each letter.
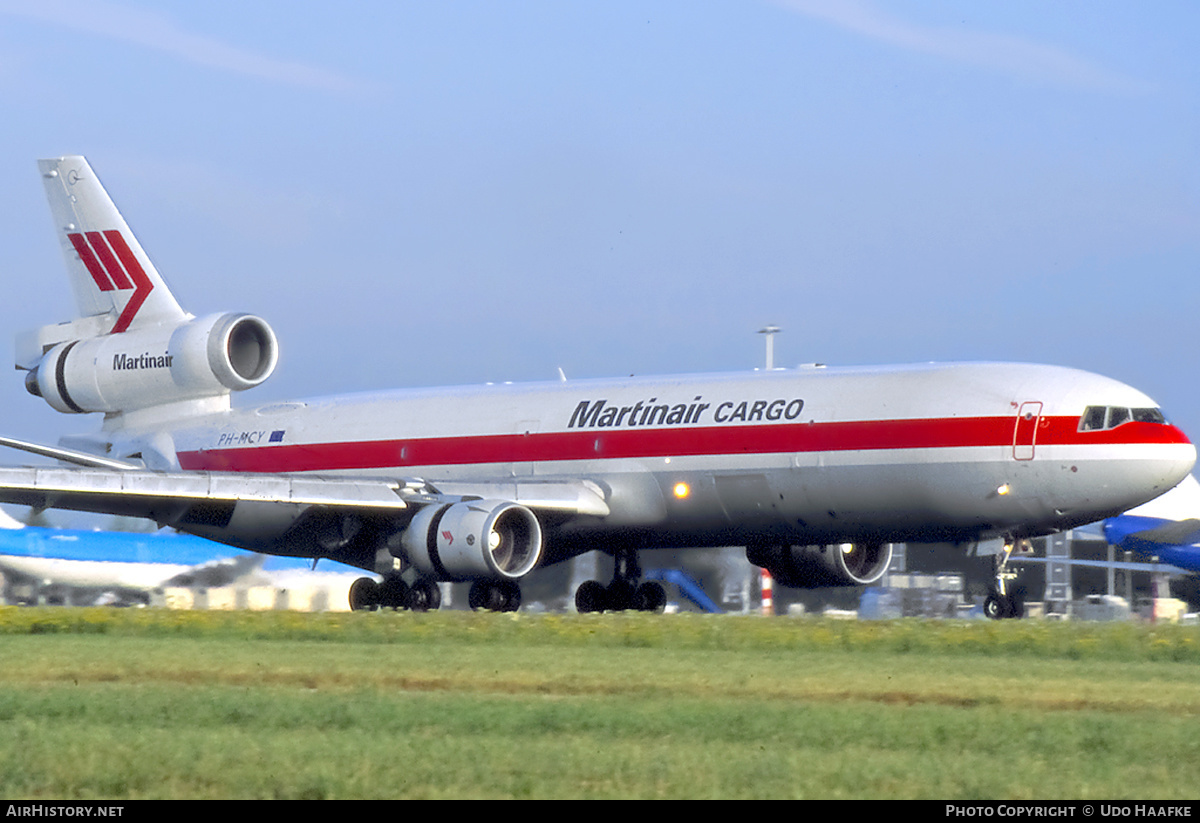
x: 113, y: 267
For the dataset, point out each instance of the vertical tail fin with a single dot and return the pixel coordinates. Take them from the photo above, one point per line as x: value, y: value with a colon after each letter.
x: 130, y: 347
x: 111, y: 276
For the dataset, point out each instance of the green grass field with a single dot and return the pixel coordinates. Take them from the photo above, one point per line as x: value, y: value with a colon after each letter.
x: 158, y: 704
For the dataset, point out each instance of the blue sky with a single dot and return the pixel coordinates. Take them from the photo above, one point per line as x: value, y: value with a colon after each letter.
x: 417, y: 194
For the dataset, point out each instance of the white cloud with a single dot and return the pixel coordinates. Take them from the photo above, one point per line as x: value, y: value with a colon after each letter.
x: 1000, y: 52
x: 153, y: 30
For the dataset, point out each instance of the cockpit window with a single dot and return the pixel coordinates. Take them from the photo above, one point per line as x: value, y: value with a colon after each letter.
x: 1099, y: 418
x: 1093, y: 419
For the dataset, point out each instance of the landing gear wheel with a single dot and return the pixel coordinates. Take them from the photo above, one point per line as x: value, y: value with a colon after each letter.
x: 425, y: 596
x: 591, y: 597
x: 364, y: 595
x: 650, y: 597
x: 512, y: 596
x: 483, y: 595
x: 996, y: 607
x: 620, y: 596
x: 492, y: 596
x: 392, y: 593
x: 1016, y: 602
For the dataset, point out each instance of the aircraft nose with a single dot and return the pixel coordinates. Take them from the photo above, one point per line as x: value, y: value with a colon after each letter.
x: 1177, y: 459
x: 1152, y: 462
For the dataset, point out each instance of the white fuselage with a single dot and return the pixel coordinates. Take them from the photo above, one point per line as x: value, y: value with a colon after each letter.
x: 812, y: 455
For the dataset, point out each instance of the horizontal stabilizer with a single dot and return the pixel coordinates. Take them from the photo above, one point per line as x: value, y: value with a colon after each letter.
x: 77, y: 458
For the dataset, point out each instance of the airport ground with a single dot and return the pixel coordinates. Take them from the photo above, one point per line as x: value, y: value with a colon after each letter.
x: 103, y: 703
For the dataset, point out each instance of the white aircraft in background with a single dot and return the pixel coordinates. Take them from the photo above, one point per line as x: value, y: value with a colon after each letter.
x: 112, y: 567
x: 816, y: 470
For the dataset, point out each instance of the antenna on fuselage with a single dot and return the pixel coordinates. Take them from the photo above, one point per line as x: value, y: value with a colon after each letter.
x: 770, y: 332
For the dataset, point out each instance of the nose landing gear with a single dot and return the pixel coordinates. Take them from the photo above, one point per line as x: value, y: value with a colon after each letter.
x: 1006, y: 600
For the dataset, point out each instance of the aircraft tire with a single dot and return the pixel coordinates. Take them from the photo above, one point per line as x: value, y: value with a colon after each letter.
x: 393, y: 594
x: 650, y: 597
x: 996, y: 607
x: 620, y: 596
x: 1016, y: 602
x: 510, y: 591
x: 483, y: 595
x: 591, y: 596
x: 495, y: 597
x: 425, y: 596
x: 364, y: 595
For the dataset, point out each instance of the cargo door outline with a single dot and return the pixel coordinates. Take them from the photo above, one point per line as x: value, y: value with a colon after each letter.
x: 1025, y: 430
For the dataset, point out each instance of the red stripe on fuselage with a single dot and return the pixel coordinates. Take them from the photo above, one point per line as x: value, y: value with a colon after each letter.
x: 612, y: 443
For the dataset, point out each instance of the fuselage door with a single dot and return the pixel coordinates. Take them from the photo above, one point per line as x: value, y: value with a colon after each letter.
x: 1029, y: 415
x: 524, y: 429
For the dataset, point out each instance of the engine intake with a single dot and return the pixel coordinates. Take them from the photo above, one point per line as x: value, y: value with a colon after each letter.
x: 205, y: 357
x: 473, y: 540
x: 809, y: 567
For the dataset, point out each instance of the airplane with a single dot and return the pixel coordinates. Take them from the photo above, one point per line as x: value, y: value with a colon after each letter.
x: 124, y: 568
x: 815, y: 470
x: 1165, y: 531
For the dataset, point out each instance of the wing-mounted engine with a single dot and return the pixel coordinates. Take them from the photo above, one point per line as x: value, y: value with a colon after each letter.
x: 808, y: 567
x: 474, y: 540
x: 149, y: 366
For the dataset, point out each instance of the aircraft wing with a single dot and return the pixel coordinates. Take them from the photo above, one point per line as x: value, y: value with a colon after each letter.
x: 1146, y: 534
x: 144, y: 493
x: 163, y: 495
x: 1162, y: 568
x: 1172, y: 546
x: 187, y: 496
x: 1171, y: 541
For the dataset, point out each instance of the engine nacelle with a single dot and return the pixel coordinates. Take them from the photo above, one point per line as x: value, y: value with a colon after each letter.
x: 474, y: 539
x: 810, y: 567
x: 205, y: 357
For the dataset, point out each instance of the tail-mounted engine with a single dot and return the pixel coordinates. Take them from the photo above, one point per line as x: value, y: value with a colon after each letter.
x: 473, y: 540
x: 807, y: 567
x: 205, y: 357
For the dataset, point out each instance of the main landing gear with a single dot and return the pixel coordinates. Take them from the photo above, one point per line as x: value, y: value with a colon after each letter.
x: 394, y: 593
x: 625, y: 592
x: 1006, y: 600
x: 425, y: 596
x: 495, y: 596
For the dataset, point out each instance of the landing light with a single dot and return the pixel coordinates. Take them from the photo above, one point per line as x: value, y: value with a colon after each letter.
x: 682, y: 490
x: 1003, y: 490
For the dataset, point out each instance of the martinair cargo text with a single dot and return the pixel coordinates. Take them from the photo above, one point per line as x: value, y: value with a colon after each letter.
x: 816, y: 471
